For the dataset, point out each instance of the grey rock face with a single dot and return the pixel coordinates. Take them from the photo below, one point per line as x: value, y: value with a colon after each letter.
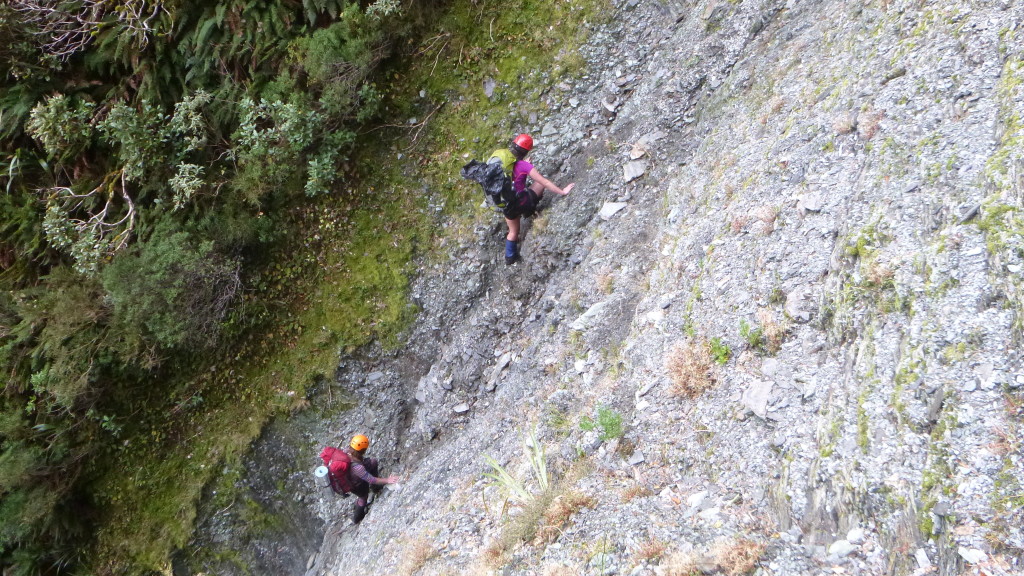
x: 807, y: 217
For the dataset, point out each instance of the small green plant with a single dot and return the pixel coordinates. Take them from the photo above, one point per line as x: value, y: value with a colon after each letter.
x: 766, y: 335
x: 863, y: 421
x: 751, y: 334
x: 720, y: 351
x: 558, y: 420
x: 608, y: 420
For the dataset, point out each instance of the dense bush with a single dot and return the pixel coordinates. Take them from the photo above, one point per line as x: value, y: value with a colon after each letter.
x: 150, y: 154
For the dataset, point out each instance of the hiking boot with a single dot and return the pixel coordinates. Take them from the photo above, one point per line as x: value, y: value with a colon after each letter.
x: 511, y: 252
x: 358, y: 513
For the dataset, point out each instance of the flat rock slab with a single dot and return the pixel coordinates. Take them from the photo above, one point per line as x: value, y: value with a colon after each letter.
x: 972, y: 555
x: 810, y: 202
x: 590, y: 316
x: 636, y: 458
x: 756, y: 396
x: 611, y: 209
x: 842, y: 548
x: 633, y: 170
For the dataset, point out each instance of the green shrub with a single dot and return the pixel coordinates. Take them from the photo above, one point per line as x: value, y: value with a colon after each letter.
x: 337, y: 61
x: 752, y: 335
x: 608, y: 420
x: 174, y: 290
x: 62, y: 125
x: 720, y: 351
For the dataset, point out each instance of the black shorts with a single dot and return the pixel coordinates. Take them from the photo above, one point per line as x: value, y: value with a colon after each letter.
x: 525, y: 205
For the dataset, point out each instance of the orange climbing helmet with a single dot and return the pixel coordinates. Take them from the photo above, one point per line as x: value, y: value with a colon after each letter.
x: 359, y: 443
x: 524, y: 141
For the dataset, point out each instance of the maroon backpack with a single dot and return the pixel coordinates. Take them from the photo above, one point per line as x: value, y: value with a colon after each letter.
x: 337, y: 462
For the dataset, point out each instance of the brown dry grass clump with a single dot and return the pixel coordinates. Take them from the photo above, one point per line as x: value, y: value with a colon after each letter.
x: 739, y: 222
x: 878, y: 274
x: 691, y: 368
x: 870, y: 123
x: 558, y: 513
x: 736, y: 557
x: 682, y: 564
x: 635, y: 491
x: 773, y: 331
x: 763, y: 219
x: 605, y: 282
x: 415, y: 553
x: 845, y: 123
x: 1004, y: 442
x: 650, y: 549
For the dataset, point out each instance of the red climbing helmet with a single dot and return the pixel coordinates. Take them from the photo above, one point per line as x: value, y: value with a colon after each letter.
x: 524, y: 141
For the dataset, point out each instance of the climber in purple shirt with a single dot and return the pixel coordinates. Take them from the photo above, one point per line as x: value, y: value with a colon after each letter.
x: 363, y: 475
x: 521, y: 170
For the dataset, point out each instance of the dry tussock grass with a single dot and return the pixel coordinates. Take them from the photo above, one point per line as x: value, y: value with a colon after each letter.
x: 539, y: 223
x: 605, y: 281
x: 738, y: 223
x: 766, y: 214
x: 775, y: 105
x: 415, y: 553
x: 869, y: 123
x: 845, y: 123
x: 558, y: 513
x: 691, y: 368
x: 732, y: 557
x: 1004, y: 442
x: 493, y: 554
x: 635, y: 491
x: 737, y: 557
x: 650, y: 549
x: 773, y: 331
x: 682, y: 564
x: 878, y: 274
x: 764, y: 219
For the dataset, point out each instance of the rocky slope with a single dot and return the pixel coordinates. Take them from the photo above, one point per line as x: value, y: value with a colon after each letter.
x: 827, y: 195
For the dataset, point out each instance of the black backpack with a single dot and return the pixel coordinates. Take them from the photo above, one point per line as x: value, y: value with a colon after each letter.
x: 491, y: 176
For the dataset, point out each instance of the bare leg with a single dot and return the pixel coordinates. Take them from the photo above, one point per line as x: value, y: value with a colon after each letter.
x: 512, y: 241
x: 513, y: 229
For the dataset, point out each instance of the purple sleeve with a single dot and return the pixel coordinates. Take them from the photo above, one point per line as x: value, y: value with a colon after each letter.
x: 359, y: 471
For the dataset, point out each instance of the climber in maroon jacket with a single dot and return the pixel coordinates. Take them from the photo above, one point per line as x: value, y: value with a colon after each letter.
x: 363, y: 475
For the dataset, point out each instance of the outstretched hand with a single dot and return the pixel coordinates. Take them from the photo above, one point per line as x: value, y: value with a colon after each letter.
x: 565, y: 191
x: 391, y: 480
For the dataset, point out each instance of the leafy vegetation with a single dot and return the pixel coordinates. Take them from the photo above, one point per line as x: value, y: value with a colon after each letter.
x: 608, y: 421
x: 720, y: 351
x: 193, y: 227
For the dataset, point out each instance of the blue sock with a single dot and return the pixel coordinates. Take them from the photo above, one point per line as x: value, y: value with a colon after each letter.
x: 511, y: 249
